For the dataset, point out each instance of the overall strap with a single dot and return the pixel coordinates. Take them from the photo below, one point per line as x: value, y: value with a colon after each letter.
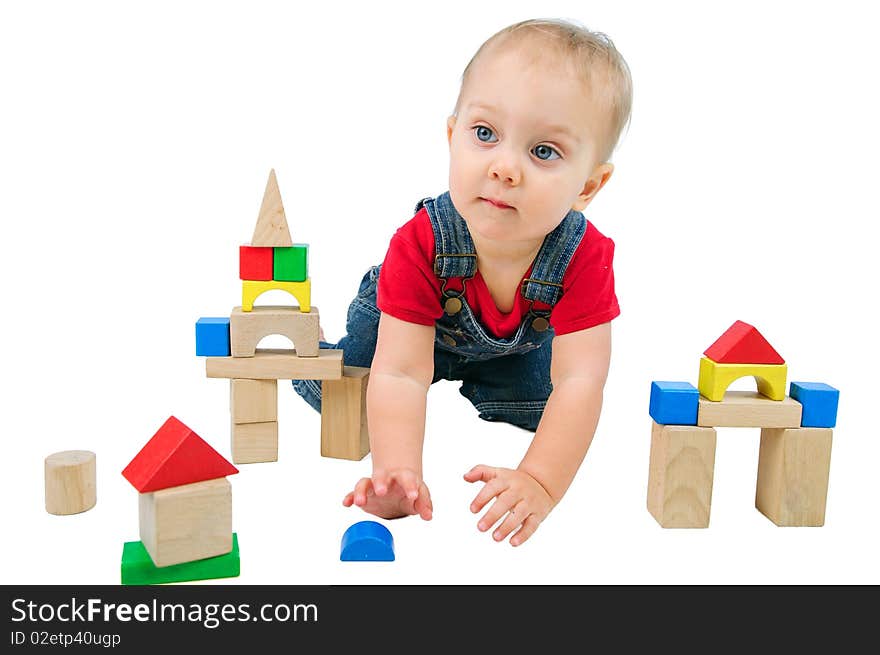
x: 454, y: 252
x: 545, y: 283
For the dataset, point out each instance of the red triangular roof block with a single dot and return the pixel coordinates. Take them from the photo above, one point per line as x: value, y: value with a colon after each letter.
x: 742, y: 344
x: 175, y: 455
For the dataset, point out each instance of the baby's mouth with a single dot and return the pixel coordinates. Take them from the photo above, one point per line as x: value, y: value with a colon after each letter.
x: 496, y: 203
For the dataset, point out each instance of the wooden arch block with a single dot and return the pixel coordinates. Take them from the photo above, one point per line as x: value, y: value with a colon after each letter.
x: 252, y: 289
x: 714, y: 378
x: 246, y: 329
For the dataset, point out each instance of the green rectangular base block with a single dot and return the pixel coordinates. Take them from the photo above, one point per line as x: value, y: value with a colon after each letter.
x: 138, y: 567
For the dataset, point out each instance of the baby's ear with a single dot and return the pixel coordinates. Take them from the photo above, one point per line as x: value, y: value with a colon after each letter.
x: 596, y: 181
x: 450, y: 125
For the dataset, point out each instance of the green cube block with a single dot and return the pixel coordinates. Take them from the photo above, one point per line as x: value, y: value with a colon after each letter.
x: 138, y: 567
x: 291, y: 264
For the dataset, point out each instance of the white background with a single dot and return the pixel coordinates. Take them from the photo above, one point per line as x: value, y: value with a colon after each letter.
x: 135, y: 143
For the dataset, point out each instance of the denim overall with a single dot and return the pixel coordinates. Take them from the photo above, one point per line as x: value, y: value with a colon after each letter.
x: 505, y: 379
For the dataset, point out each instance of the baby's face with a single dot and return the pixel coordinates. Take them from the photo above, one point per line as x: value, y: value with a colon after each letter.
x: 526, y: 136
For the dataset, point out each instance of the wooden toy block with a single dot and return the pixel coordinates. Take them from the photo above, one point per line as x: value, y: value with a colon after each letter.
x: 271, y: 228
x: 742, y: 344
x: 252, y: 289
x: 186, y: 523
x: 255, y: 263
x: 138, y: 569
x: 275, y: 364
x: 247, y: 328
x: 673, y: 403
x: 212, y: 336
x: 793, y: 468
x: 680, y: 475
x: 344, y: 433
x: 292, y: 263
x: 714, y: 378
x: 367, y: 541
x: 175, y: 455
x: 749, y: 409
x: 819, y: 401
x: 70, y: 482
x: 255, y: 442
x: 253, y: 401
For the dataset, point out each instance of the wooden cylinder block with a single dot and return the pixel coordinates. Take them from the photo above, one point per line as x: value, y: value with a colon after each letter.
x: 70, y: 482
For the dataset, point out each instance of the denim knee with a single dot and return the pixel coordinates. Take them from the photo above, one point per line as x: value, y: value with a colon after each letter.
x: 525, y: 414
x: 310, y: 390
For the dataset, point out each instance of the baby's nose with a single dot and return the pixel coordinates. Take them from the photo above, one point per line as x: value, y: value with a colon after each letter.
x: 505, y: 170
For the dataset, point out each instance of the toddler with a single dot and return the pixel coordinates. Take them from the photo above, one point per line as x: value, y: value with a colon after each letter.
x: 500, y: 282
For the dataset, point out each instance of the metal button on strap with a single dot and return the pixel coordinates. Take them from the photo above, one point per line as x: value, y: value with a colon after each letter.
x: 452, y: 306
x: 449, y: 341
x: 540, y: 324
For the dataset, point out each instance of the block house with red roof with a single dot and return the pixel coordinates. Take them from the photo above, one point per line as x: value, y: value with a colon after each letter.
x: 184, y: 498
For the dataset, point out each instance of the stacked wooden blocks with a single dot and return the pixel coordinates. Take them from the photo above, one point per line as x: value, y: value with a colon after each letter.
x: 795, y: 454
x: 185, y: 510
x: 272, y: 262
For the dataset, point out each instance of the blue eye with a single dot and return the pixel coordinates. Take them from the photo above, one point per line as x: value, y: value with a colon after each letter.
x: 544, y: 152
x: 484, y: 134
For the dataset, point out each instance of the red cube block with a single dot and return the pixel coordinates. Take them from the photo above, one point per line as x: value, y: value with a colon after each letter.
x: 255, y: 262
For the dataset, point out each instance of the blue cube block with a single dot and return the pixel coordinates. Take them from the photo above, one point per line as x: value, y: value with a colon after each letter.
x: 819, y: 402
x: 212, y: 337
x: 367, y: 541
x: 674, y: 403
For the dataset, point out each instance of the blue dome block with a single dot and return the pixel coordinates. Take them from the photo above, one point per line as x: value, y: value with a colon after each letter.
x: 367, y: 541
x: 674, y: 403
x: 819, y: 402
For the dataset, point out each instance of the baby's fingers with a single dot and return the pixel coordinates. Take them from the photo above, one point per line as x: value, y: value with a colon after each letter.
x: 515, y: 517
x: 487, y: 493
x: 481, y: 473
x: 503, y: 504
x: 381, y: 481
x: 423, y: 504
x: 363, y: 487
x: 527, y: 530
x: 408, y: 481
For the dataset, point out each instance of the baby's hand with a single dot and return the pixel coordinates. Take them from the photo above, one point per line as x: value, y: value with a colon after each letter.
x: 392, y: 494
x: 516, y: 494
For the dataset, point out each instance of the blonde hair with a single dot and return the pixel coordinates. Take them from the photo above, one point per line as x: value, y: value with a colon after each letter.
x: 595, y: 58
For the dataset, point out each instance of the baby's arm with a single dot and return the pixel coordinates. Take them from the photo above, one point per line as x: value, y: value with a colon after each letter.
x: 578, y: 371
x: 400, y: 375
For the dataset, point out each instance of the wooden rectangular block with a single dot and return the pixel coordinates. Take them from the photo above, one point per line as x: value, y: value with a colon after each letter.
x: 793, y: 469
x: 255, y: 442
x: 680, y: 475
x: 188, y: 522
x: 246, y: 329
x: 253, y: 401
x: 748, y: 409
x: 273, y: 364
x: 344, y: 433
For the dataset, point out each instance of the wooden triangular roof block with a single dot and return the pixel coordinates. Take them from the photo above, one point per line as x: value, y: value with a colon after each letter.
x: 271, y: 229
x: 742, y: 344
x: 175, y: 455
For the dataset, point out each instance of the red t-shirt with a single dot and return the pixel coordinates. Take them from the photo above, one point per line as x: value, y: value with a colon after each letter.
x: 409, y: 289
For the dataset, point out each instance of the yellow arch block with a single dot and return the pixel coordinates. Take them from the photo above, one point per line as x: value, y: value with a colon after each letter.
x: 251, y: 289
x: 715, y: 378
